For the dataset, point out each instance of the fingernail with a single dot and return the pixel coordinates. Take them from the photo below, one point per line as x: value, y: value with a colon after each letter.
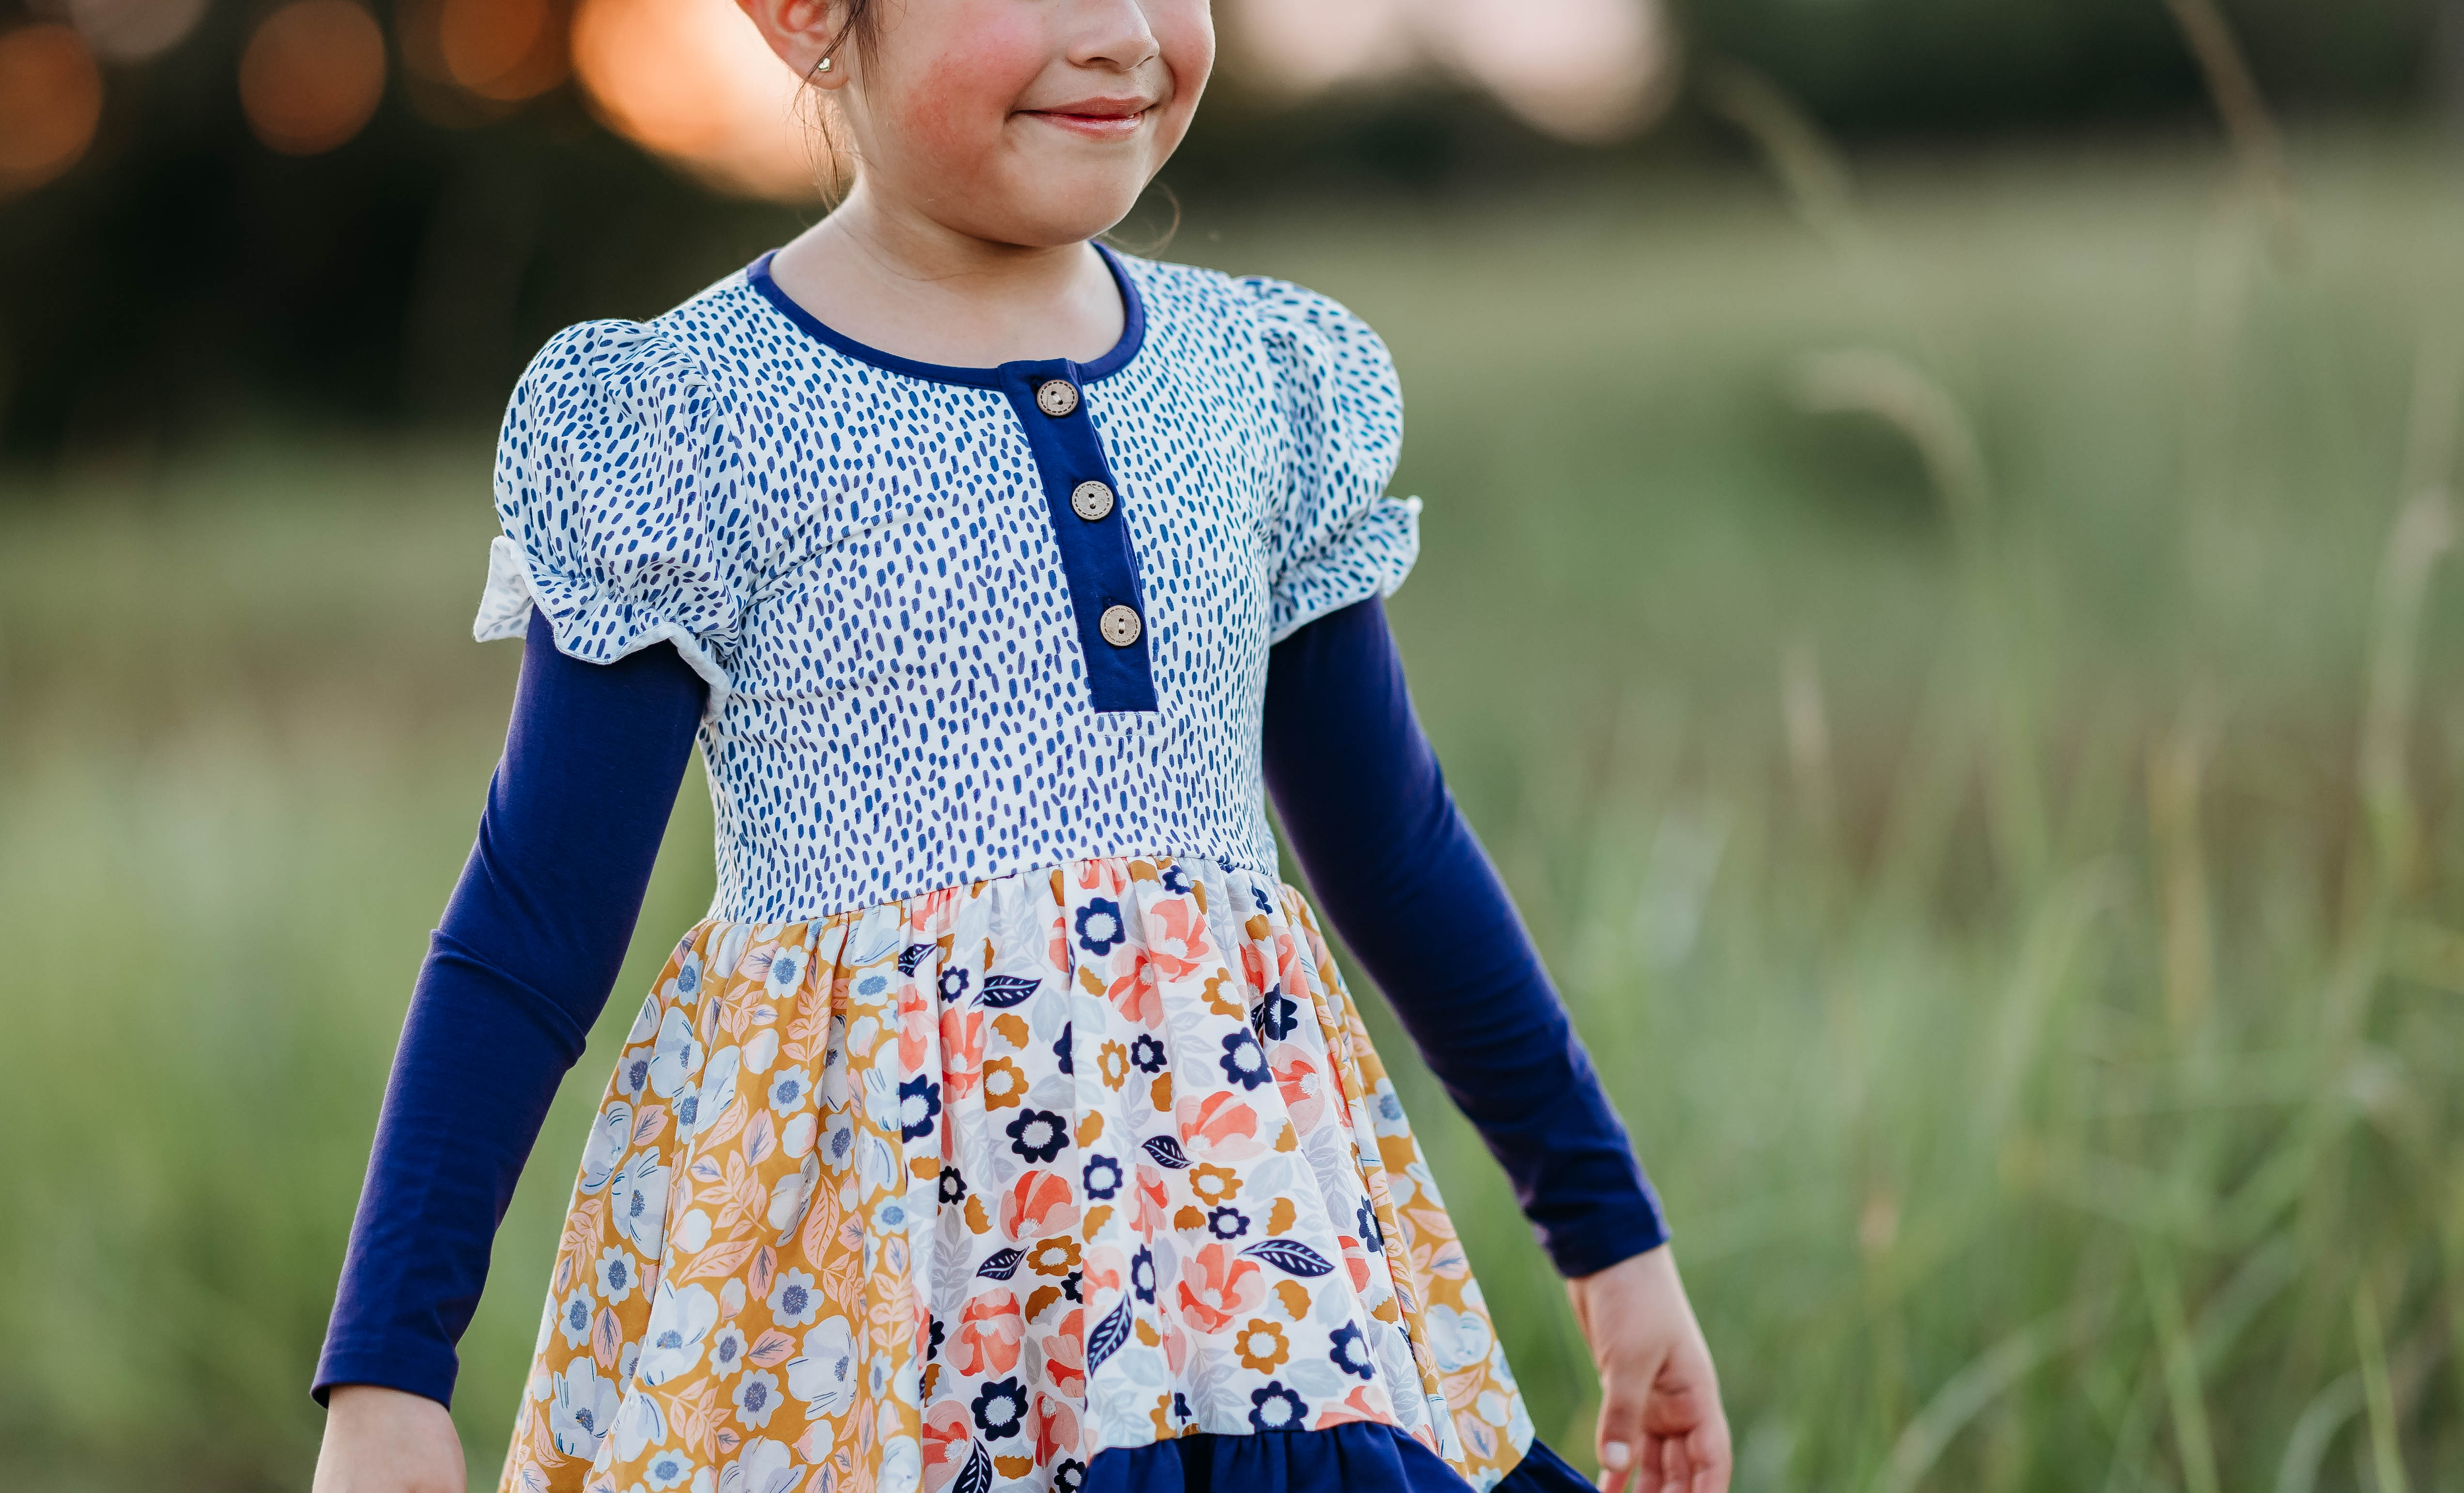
x: 1614, y: 1454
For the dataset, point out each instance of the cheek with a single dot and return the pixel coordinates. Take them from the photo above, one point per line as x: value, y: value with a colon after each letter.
x: 1184, y: 31
x: 957, y: 107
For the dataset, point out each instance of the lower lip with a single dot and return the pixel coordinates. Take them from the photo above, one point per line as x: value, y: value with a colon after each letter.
x: 1091, y: 126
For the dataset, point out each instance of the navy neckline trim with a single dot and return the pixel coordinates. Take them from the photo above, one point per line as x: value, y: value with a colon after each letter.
x: 1134, y: 331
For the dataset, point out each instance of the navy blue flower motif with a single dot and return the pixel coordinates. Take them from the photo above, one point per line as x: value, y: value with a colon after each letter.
x: 1066, y: 1477
x: 1071, y: 1285
x: 688, y: 1111
x: 1258, y: 894
x: 637, y: 1076
x: 1243, y: 1061
x: 953, y: 985
x: 932, y: 1349
x: 1099, y: 926
x: 1276, y: 1408
x: 1142, y: 1280
x: 1227, y: 1223
x: 1061, y: 1048
x: 1174, y: 880
x: 1000, y: 1406
x: 954, y: 1187
x: 1350, y: 1352
x: 689, y: 977
x: 1037, y: 1134
x: 1277, y: 1016
x: 1146, y: 1054
x: 919, y: 1102
x: 1102, y: 1176
x: 1371, y: 1237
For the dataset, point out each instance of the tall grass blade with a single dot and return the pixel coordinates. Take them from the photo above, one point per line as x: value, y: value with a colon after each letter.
x: 2387, y: 1455
x: 2192, y: 1440
x: 1967, y: 1394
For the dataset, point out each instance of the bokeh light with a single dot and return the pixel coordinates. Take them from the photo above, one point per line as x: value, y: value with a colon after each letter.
x: 693, y: 82
x: 505, y: 50
x: 1579, y: 68
x: 132, y: 31
x: 1300, y: 46
x: 311, y: 75
x: 50, y: 99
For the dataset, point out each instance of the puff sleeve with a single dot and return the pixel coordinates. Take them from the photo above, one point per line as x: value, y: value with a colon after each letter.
x: 1338, y: 538
x: 615, y: 487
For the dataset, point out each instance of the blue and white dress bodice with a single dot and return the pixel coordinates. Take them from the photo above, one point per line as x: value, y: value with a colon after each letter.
x: 935, y: 656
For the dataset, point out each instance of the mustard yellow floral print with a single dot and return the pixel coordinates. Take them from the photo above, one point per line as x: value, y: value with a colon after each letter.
x: 969, y: 1188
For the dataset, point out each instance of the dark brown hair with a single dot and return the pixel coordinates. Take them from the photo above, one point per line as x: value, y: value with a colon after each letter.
x: 833, y: 168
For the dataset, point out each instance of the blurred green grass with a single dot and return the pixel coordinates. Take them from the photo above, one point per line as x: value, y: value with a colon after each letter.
x: 2024, y: 925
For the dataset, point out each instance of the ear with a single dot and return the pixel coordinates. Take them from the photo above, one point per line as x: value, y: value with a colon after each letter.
x: 802, y: 32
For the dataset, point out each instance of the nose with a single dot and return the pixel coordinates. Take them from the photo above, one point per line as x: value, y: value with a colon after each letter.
x: 1113, y: 34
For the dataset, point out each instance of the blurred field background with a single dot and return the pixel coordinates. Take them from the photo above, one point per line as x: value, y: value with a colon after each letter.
x: 1938, y: 594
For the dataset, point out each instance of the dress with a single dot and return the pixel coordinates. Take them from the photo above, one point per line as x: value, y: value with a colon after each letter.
x: 1007, y: 1111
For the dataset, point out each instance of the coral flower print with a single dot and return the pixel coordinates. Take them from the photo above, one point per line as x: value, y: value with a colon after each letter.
x: 1069, y: 1179
x: 1219, y: 1286
x: 989, y: 1332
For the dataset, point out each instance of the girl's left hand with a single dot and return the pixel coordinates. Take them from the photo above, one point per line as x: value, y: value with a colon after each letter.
x: 1661, y: 1422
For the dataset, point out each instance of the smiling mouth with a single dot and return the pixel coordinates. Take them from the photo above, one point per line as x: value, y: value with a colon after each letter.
x: 1097, y: 118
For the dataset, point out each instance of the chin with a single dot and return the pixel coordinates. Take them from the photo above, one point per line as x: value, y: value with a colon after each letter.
x: 1063, y: 211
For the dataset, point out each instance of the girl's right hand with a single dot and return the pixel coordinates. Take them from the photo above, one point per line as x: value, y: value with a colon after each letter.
x: 382, y: 1441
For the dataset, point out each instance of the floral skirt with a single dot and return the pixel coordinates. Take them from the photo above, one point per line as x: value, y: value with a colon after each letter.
x: 971, y: 1187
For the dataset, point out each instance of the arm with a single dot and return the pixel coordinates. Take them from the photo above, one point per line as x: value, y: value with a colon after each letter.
x: 1389, y: 860
x: 1392, y: 861
x: 527, y: 952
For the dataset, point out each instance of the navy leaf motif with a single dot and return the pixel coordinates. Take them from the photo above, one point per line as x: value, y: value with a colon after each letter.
x: 976, y: 1475
x: 1004, y: 990
x: 1167, y: 1151
x: 1290, y: 1256
x: 1109, y: 1335
x: 913, y: 956
x: 1004, y: 1264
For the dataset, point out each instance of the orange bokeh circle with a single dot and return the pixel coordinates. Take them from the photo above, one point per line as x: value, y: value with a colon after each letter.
x: 505, y: 50
x: 311, y: 75
x: 50, y: 99
x: 692, y: 81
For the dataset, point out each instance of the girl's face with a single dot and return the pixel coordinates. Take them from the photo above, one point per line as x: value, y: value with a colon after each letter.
x: 1034, y: 122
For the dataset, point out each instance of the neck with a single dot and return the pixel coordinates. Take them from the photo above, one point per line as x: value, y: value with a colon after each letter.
x: 887, y: 273
x: 901, y: 240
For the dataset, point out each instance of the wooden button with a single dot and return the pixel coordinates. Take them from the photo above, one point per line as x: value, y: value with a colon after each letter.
x: 1090, y: 501
x: 1056, y: 397
x: 1120, y: 627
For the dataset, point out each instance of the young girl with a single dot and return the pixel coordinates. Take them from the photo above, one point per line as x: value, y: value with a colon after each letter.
x: 1006, y: 1123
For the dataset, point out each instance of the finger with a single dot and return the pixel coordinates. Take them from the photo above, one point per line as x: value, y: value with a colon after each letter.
x: 1616, y: 1462
x: 1623, y: 1444
x: 1714, y: 1457
x: 1646, y: 1465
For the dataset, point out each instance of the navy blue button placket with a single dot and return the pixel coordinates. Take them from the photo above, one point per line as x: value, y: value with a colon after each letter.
x: 1096, y: 558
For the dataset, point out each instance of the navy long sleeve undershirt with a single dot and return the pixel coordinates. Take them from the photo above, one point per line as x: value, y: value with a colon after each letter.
x: 1402, y: 878
x: 537, y: 926
x: 528, y: 950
